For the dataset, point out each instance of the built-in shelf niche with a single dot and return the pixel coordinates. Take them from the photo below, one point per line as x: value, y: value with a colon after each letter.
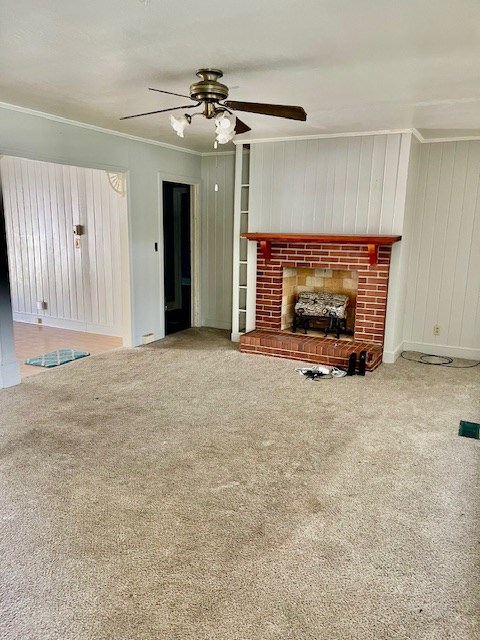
x: 240, y: 244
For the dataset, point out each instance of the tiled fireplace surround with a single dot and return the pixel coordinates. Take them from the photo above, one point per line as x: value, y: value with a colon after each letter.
x: 269, y: 339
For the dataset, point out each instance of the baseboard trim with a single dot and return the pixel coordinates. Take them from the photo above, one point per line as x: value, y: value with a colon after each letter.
x: 443, y: 350
x: 72, y: 325
x: 389, y: 357
x: 236, y: 335
x: 217, y: 324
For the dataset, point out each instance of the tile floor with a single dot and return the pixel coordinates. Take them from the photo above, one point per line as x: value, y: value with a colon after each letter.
x: 34, y: 340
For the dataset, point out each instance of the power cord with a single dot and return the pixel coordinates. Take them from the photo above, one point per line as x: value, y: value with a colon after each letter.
x: 438, y: 361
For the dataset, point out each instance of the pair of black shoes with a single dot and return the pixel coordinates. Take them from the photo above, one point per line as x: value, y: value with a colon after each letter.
x: 352, y: 364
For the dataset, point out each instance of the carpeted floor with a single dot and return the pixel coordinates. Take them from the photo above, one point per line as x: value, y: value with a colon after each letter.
x: 185, y: 491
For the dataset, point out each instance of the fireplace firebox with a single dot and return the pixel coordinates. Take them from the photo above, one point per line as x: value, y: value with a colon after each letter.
x: 328, y: 308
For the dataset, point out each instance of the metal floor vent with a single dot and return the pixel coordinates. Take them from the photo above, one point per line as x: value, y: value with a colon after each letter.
x: 469, y: 429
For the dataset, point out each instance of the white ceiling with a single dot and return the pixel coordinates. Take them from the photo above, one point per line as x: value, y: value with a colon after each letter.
x: 353, y: 65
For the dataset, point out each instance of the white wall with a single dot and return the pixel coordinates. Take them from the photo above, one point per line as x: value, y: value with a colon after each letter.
x: 399, y: 265
x: 337, y: 185
x: 81, y: 286
x: 217, y: 240
x: 35, y: 137
x: 444, y: 260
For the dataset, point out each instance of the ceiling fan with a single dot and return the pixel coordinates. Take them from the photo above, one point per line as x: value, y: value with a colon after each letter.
x: 212, y: 96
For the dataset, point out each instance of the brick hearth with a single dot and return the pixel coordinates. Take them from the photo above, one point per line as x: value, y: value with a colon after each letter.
x: 371, y: 303
x: 326, y: 351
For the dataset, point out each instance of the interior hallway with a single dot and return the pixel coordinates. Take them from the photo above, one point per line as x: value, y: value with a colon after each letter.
x: 34, y: 340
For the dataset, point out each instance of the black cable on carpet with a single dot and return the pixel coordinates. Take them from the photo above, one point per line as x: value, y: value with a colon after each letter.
x: 439, y: 361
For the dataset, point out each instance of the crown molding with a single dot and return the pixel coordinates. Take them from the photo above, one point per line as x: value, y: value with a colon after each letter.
x: 356, y: 134
x: 323, y: 136
x: 217, y: 153
x: 92, y: 127
x: 172, y: 147
x: 418, y: 135
x: 424, y: 140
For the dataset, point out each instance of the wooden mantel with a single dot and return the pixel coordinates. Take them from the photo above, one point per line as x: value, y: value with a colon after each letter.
x: 372, y: 242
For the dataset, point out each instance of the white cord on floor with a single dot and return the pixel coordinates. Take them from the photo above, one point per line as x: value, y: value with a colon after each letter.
x: 319, y: 371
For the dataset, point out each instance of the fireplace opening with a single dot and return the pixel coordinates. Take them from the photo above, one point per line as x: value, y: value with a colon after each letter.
x: 339, y: 282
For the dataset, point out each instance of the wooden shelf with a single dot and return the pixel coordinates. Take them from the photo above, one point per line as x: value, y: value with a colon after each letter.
x: 372, y: 242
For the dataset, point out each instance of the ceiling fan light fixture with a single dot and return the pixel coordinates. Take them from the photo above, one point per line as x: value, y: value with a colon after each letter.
x: 225, y: 136
x: 225, y: 122
x: 180, y: 124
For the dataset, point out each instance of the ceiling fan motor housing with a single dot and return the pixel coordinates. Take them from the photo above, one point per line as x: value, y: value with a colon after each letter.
x: 209, y: 89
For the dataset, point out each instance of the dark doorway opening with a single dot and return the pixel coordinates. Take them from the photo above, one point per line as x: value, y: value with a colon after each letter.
x: 177, y: 257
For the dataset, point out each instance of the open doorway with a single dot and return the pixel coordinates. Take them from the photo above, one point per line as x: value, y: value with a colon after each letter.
x: 177, y: 256
x: 67, y: 241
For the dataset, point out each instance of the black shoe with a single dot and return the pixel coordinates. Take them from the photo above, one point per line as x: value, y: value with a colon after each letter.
x: 352, y: 364
x: 361, y: 363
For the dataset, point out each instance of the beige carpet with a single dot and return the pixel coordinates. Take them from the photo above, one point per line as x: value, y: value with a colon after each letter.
x: 186, y: 491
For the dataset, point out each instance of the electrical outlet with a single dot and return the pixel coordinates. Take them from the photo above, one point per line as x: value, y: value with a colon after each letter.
x: 436, y: 330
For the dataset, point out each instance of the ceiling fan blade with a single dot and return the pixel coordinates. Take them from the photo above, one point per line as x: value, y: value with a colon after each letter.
x: 170, y: 93
x: 241, y: 127
x: 278, y: 110
x: 149, y: 113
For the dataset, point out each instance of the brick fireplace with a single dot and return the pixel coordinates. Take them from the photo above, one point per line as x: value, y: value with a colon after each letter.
x: 366, y: 256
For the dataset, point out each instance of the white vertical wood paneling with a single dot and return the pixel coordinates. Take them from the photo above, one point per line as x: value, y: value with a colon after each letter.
x: 374, y: 211
x: 461, y: 305
x: 398, y: 280
x: 310, y: 180
x: 340, y: 185
x: 217, y: 240
x: 34, y: 219
x: 95, y: 243
x: 77, y: 254
x: 21, y: 248
x: 82, y: 287
x: 364, y: 175
x: 288, y: 200
x: 389, y: 187
x: 49, y: 281
x: 352, y: 183
x: 83, y: 180
x: 444, y: 273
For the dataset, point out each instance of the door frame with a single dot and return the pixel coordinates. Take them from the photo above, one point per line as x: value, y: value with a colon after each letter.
x: 194, y: 185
